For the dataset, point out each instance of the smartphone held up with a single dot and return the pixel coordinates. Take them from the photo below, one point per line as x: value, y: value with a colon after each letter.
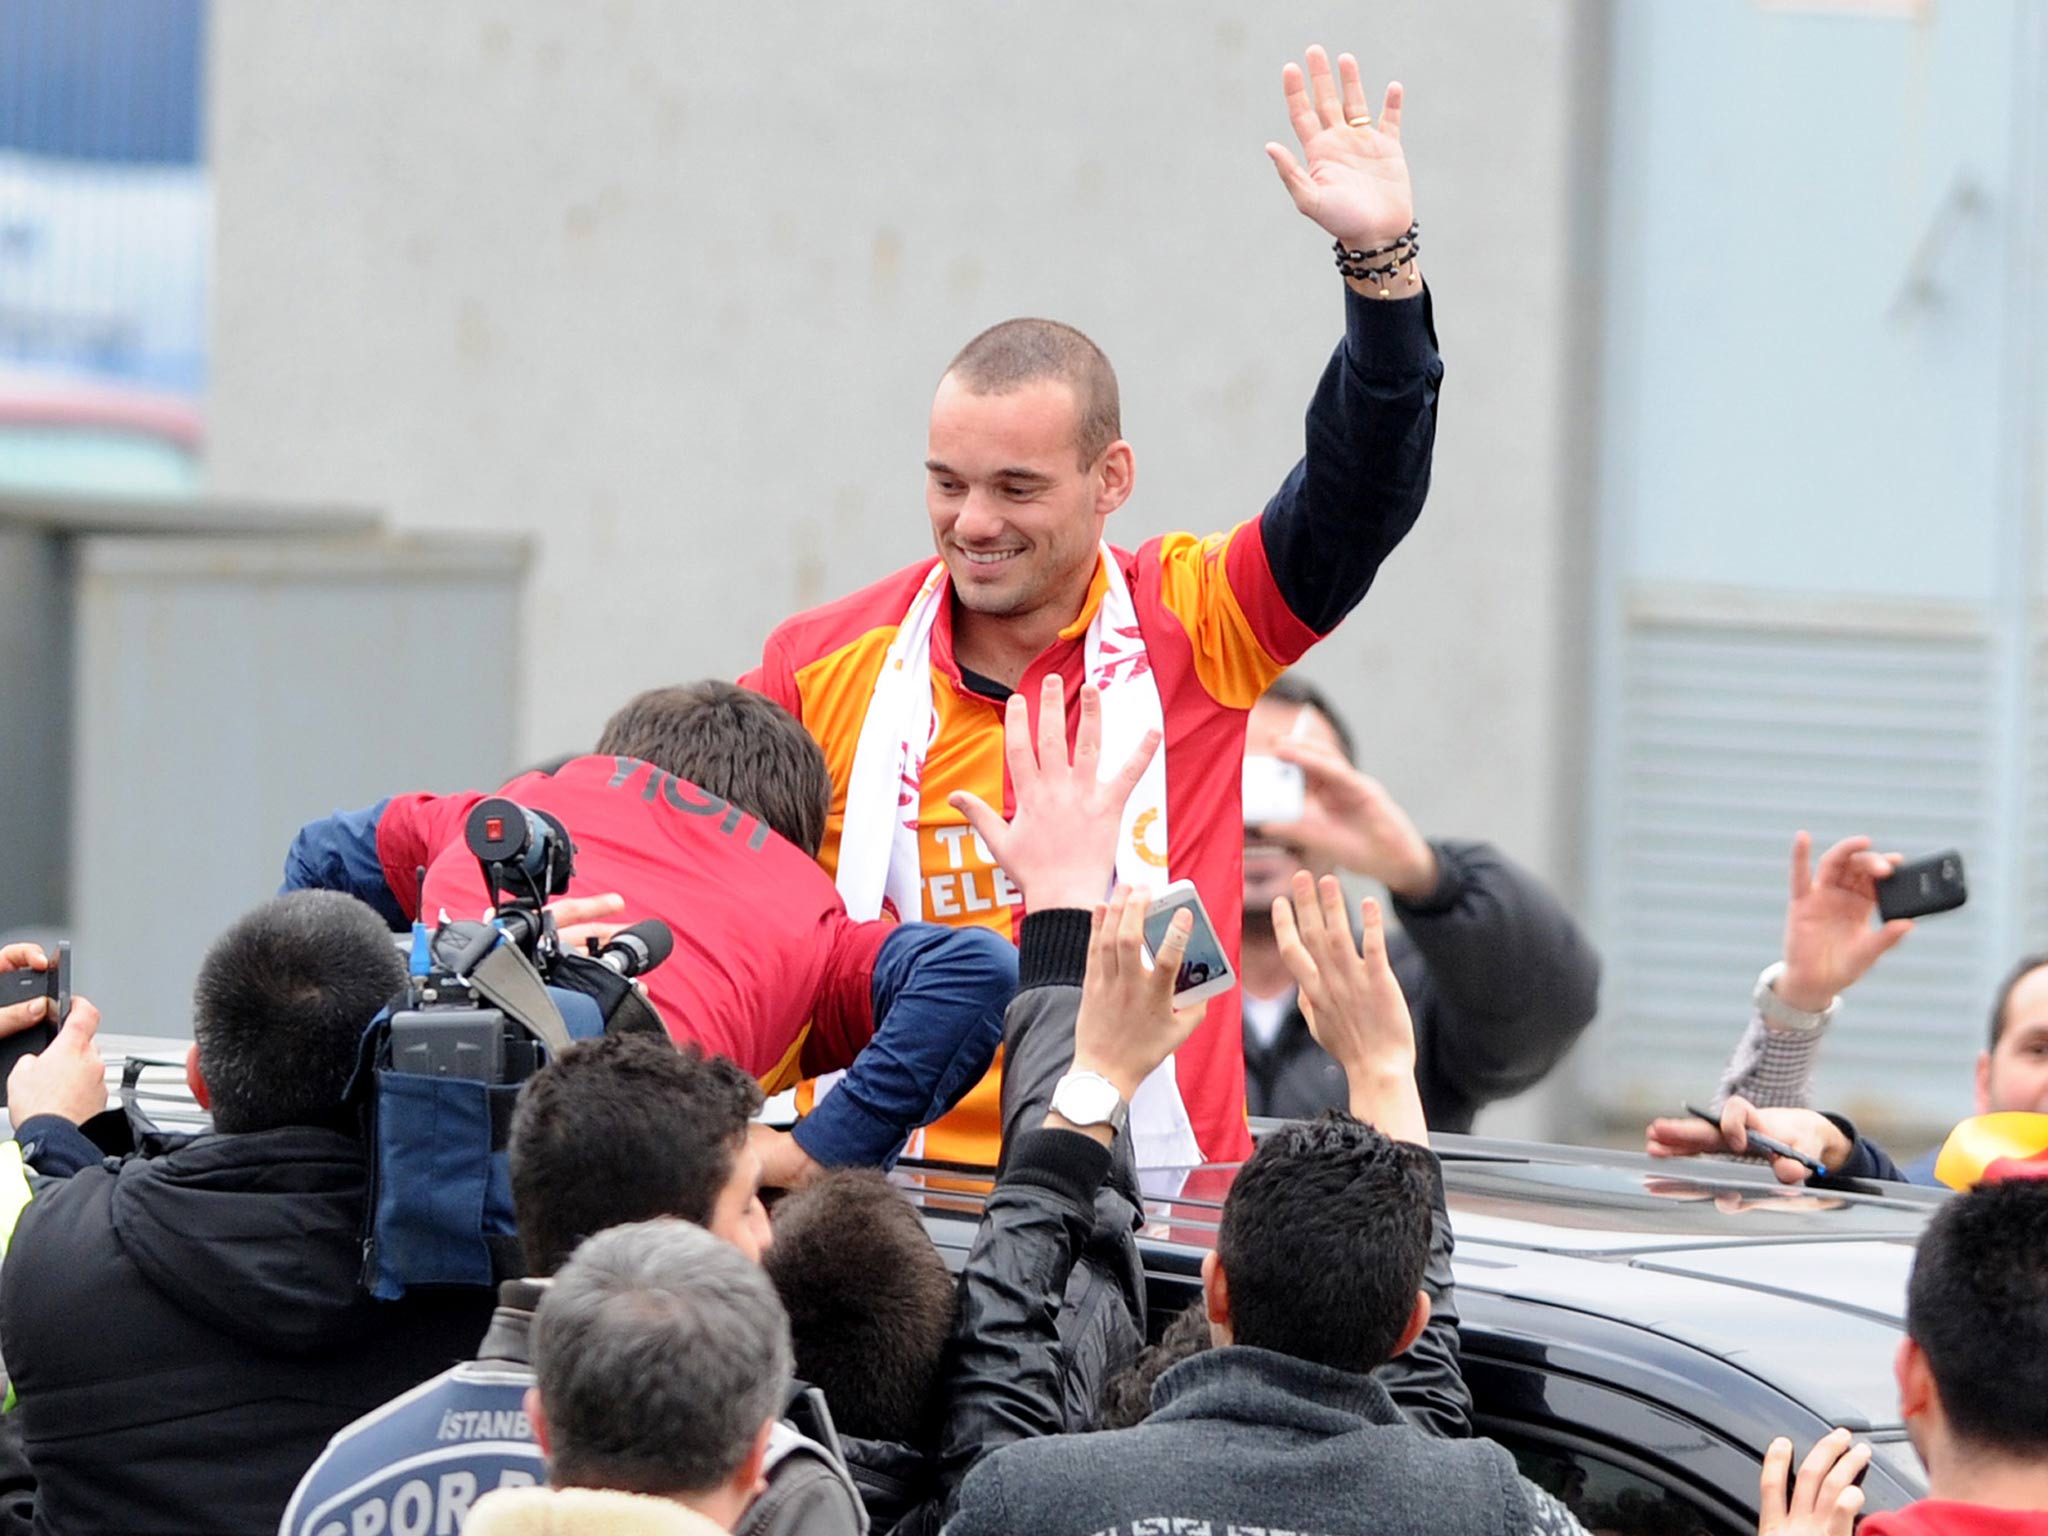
x: 1923, y: 887
x: 1205, y: 970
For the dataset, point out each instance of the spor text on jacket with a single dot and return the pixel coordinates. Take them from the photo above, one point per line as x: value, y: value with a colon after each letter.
x: 185, y: 1331
x: 419, y: 1461
x: 1500, y: 981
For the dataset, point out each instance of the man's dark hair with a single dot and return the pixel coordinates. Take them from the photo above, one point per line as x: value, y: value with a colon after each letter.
x: 280, y: 1007
x: 2025, y: 967
x: 1291, y: 688
x: 1127, y: 1396
x: 870, y: 1302
x: 1324, y: 1237
x: 741, y: 745
x: 626, y: 1128
x: 1978, y: 1306
x: 1008, y: 356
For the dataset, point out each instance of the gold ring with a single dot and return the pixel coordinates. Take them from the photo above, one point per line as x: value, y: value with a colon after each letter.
x: 1359, y: 122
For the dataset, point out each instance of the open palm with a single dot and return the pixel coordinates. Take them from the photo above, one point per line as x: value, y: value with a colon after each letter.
x: 1356, y: 181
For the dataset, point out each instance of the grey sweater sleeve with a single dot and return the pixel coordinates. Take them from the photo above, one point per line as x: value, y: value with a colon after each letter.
x: 1508, y: 980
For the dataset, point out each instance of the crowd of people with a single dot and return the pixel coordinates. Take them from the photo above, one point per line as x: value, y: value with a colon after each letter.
x: 907, y: 865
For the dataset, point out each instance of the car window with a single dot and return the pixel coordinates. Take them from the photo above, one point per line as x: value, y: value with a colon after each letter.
x: 1608, y: 1498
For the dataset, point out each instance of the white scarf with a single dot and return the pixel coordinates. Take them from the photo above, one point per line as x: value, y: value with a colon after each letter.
x: 879, y: 860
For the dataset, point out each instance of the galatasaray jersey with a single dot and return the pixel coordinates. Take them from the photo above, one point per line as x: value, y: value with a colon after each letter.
x: 1217, y: 632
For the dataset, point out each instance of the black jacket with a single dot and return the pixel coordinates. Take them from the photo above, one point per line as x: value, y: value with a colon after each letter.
x: 1052, y: 1300
x: 185, y: 1332
x: 1052, y: 1295
x: 1498, y: 977
x: 1246, y: 1439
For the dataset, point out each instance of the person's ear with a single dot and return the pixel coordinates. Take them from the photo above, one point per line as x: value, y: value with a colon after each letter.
x: 1418, y: 1319
x: 1216, y: 1298
x: 1115, y: 478
x: 1915, y: 1379
x: 751, y: 1480
x: 1983, y: 1082
x: 537, y: 1421
x: 195, y: 1079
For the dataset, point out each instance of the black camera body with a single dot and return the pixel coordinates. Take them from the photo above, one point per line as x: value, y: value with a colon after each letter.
x: 447, y: 1028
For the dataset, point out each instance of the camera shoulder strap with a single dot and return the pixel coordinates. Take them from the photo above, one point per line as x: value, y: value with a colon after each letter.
x: 507, y: 978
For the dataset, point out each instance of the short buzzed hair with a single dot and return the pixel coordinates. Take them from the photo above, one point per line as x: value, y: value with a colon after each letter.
x: 1008, y: 356
x: 659, y: 1351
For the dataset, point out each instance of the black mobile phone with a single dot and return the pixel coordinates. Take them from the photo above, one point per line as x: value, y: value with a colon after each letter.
x: 1923, y: 887
x: 19, y: 987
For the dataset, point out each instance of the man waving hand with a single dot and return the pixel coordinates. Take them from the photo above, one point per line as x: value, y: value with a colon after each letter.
x: 904, y: 682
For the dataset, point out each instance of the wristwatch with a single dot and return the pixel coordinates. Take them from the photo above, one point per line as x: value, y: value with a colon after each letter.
x: 1781, y: 1015
x: 1089, y: 1098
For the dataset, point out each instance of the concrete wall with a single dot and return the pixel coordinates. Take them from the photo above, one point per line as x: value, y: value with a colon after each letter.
x: 668, y: 285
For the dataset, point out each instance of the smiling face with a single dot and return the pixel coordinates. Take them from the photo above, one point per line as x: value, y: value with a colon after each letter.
x: 2013, y: 1074
x: 1016, y: 515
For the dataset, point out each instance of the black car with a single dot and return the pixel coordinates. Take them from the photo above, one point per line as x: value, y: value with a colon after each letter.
x: 1635, y: 1332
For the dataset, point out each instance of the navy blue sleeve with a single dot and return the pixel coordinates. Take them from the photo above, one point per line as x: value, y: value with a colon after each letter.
x: 939, y: 996
x: 56, y: 1148
x: 340, y: 854
x: 1867, y: 1160
x: 1360, y: 485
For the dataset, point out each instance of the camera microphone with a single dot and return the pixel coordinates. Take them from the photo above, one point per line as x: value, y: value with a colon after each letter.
x: 636, y: 950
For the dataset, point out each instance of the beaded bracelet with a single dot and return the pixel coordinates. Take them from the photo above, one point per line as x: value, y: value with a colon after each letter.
x: 1404, y: 248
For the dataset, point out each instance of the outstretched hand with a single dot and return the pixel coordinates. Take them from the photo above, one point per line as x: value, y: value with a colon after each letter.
x: 1127, y: 1025
x: 1353, y: 1002
x: 1356, y: 181
x: 1059, y: 849
x: 1829, y: 942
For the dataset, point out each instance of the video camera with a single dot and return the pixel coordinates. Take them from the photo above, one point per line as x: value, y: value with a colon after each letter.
x: 448, y: 1025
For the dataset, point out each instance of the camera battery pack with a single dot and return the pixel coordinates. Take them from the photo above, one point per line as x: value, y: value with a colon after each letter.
x: 450, y: 1042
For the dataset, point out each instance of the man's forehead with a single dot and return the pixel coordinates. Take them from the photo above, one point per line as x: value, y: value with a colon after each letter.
x: 1027, y: 426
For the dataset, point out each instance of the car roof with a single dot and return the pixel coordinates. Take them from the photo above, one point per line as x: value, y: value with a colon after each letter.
x: 1803, y: 1289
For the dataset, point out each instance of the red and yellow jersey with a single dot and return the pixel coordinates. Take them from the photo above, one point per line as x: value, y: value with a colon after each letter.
x: 1218, y: 632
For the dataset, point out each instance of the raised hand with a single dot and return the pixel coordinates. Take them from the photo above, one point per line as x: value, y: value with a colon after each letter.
x: 1127, y: 1025
x: 1356, y: 181
x: 1060, y: 847
x: 1829, y: 942
x: 1825, y: 1501
x: 1353, y: 1003
x: 1349, y: 818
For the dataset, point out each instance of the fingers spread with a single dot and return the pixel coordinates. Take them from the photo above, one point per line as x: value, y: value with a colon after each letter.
x: 988, y: 826
x: 1052, y: 723
x: 1300, y: 111
x: 1352, y: 88
x: 1329, y: 109
x: 1802, y: 864
x: 1017, y: 743
x: 1088, y: 734
x: 1390, y: 110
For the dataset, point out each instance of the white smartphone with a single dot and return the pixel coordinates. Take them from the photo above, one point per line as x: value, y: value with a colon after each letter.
x: 1205, y: 970
x: 1274, y: 791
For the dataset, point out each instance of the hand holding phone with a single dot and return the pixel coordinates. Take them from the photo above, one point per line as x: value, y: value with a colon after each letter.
x: 1923, y: 887
x: 25, y: 985
x: 1205, y: 970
